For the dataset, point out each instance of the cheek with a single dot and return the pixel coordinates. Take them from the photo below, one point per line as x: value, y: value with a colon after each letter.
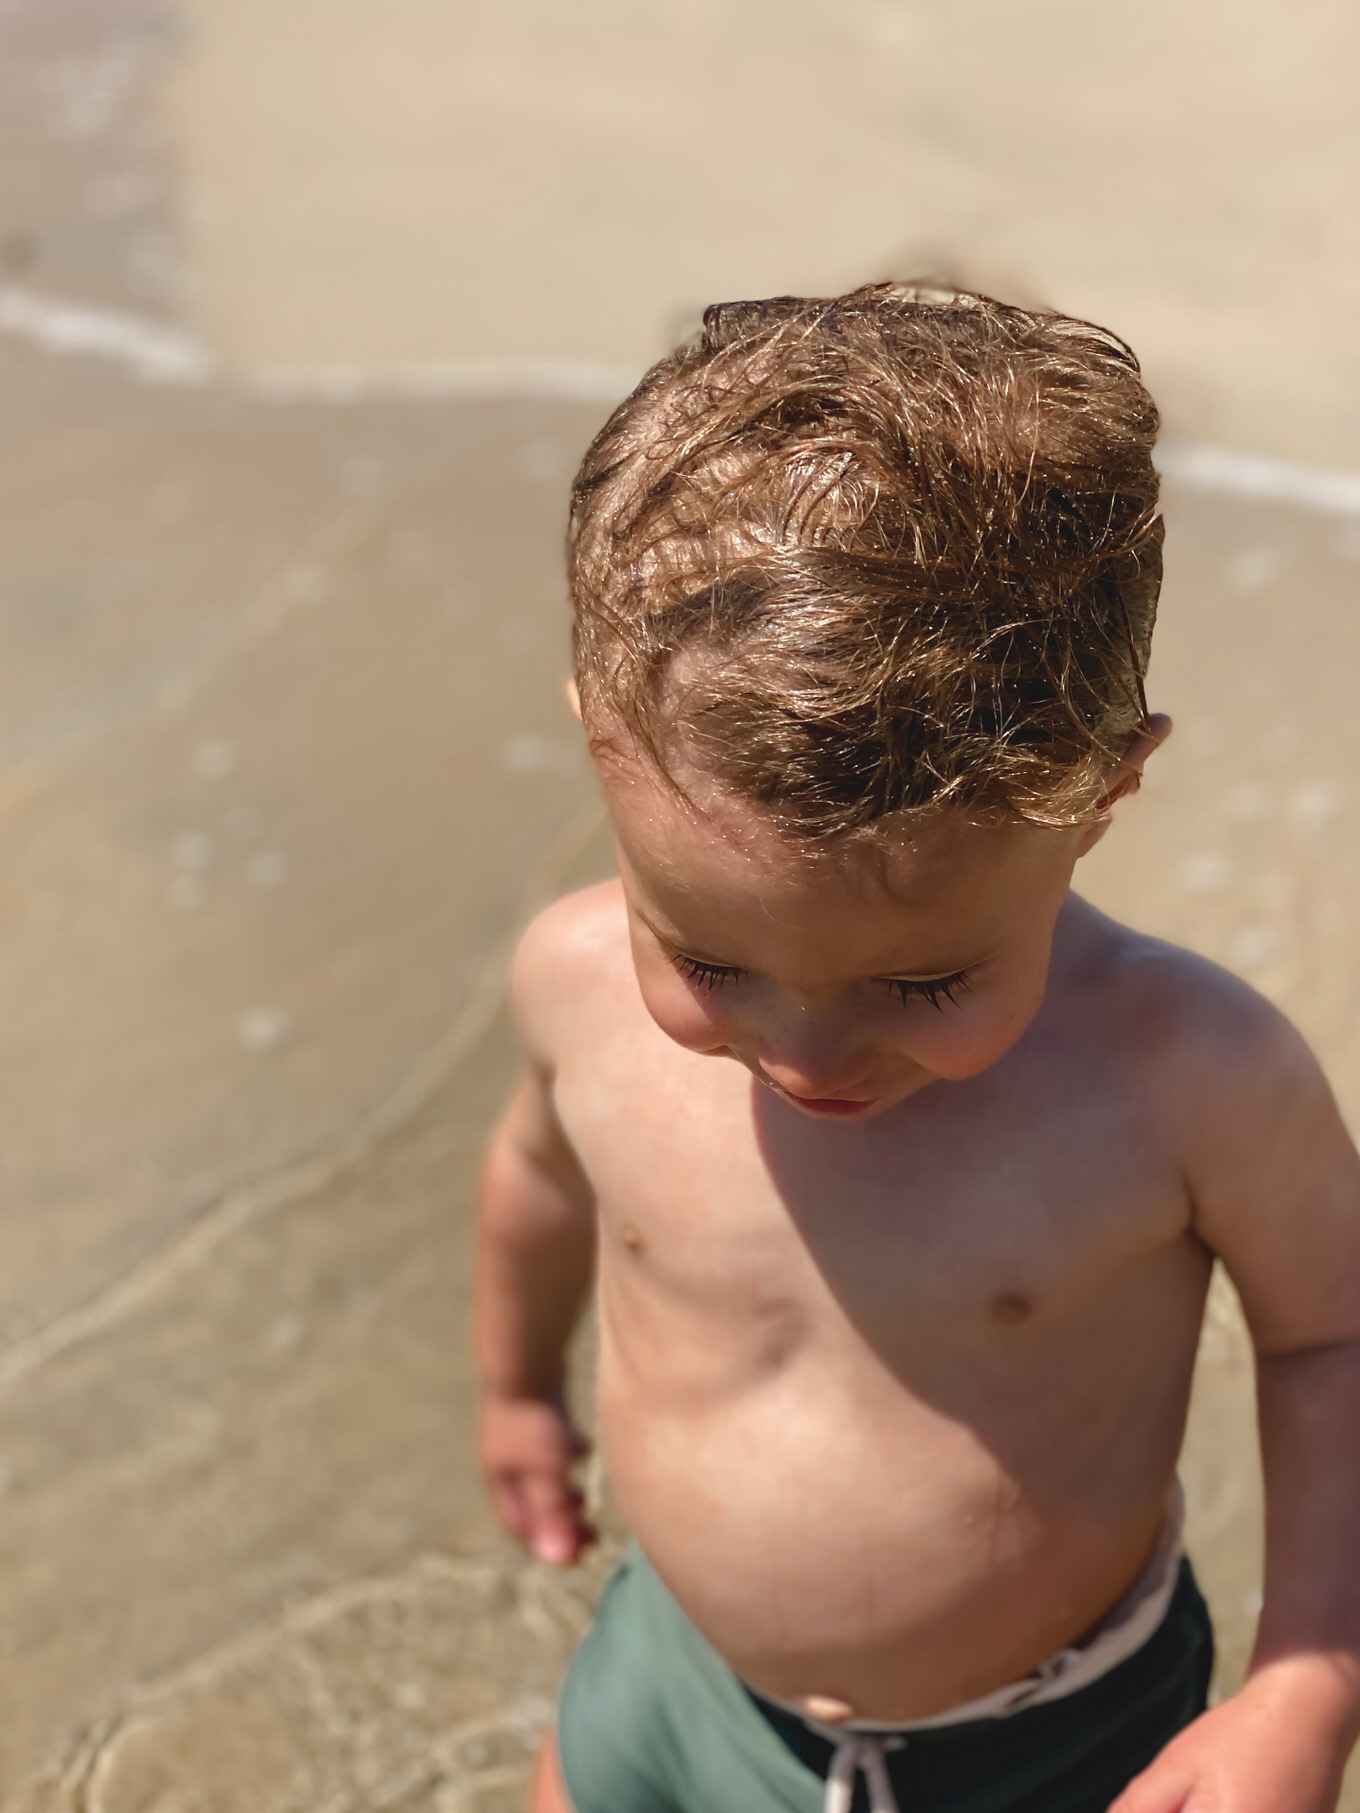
x: 965, y: 1050
x: 690, y: 1016
x: 963, y: 1042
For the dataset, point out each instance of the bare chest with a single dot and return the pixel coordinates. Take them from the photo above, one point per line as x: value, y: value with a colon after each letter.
x: 1010, y: 1203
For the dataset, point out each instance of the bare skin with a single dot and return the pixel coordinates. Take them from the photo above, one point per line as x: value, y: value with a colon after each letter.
x: 548, y: 1795
x: 900, y: 1278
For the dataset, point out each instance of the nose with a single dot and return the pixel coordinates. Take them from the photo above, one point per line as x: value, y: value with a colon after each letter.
x: 813, y: 1070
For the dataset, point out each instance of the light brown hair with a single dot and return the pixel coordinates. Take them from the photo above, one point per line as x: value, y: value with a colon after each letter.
x: 890, y: 551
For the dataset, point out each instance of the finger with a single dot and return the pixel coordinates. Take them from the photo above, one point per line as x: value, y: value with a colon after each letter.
x: 558, y: 1534
x: 511, y: 1505
x: 1155, y: 1791
x: 557, y: 1530
x: 564, y: 1548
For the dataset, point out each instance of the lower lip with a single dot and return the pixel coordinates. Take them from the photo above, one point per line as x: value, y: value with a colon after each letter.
x: 829, y: 1105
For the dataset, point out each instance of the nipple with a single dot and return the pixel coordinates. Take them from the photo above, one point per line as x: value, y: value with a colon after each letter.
x: 826, y: 1708
x: 1012, y: 1306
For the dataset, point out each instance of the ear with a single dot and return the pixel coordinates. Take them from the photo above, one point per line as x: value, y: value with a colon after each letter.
x: 574, y: 700
x: 1127, y: 777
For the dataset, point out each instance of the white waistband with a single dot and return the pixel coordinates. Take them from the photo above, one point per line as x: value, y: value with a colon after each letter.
x: 861, y: 1744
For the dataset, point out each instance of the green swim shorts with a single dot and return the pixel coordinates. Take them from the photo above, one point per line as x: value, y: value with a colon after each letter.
x: 652, y: 1720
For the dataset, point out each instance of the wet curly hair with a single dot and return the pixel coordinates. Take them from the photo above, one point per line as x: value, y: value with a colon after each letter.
x: 882, y: 553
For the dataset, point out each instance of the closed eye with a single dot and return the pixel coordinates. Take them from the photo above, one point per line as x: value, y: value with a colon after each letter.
x: 935, y: 989
x: 707, y: 975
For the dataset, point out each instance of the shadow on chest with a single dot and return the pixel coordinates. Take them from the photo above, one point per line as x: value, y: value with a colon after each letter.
x: 934, y: 1222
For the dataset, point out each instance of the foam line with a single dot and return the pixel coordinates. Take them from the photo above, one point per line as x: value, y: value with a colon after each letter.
x: 151, y: 350
x: 1267, y: 481
x: 162, y: 354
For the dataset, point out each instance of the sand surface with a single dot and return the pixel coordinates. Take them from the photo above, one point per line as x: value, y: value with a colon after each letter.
x: 284, y: 763
x: 576, y: 182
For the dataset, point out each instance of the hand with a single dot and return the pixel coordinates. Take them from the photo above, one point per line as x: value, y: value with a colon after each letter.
x: 1259, y: 1752
x: 528, y: 1448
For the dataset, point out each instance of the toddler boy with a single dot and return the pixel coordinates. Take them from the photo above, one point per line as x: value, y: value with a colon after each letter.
x: 902, y: 1169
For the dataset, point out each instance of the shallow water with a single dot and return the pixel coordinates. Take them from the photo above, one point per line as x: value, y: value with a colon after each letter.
x: 378, y: 184
x: 284, y: 759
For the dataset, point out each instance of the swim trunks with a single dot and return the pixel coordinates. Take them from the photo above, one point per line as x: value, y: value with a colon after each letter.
x: 652, y: 1720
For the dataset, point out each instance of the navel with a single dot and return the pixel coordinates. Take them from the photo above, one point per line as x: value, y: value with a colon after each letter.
x: 1012, y: 1306
x: 631, y: 1236
x: 826, y: 1708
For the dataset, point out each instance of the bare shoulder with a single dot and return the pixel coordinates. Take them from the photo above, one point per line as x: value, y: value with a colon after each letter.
x: 1226, y: 1062
x: 1203, y: 1008
x: 1272, y: 1176
x: 572, y: 963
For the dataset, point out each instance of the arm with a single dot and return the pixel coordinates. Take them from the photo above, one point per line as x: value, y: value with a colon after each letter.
x: 1309, y: 1406
x: 535, y: 1260
x: 1276, y: 1184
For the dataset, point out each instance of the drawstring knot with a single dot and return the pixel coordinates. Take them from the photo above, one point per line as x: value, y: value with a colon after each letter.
x: 861, y: 1752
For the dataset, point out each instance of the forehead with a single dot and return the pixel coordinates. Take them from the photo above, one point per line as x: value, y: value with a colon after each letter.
x: 713, y: 873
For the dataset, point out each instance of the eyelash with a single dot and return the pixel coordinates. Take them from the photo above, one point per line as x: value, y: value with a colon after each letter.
x: 707, y: 975
x: 937, y: 990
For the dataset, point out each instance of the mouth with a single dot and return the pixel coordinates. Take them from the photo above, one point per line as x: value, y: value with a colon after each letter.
x: 839, y: 1105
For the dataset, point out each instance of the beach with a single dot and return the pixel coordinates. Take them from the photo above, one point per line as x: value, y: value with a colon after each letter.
x: 286, y: 763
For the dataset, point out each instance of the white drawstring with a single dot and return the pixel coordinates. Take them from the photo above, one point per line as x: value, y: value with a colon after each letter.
x: 857, y: 1751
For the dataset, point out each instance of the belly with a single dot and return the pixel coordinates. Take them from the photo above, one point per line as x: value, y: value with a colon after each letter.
x: 832, y: 1533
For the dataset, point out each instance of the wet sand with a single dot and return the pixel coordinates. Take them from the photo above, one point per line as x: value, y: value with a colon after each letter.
x: 577, y: 182
x: 284, y: 763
